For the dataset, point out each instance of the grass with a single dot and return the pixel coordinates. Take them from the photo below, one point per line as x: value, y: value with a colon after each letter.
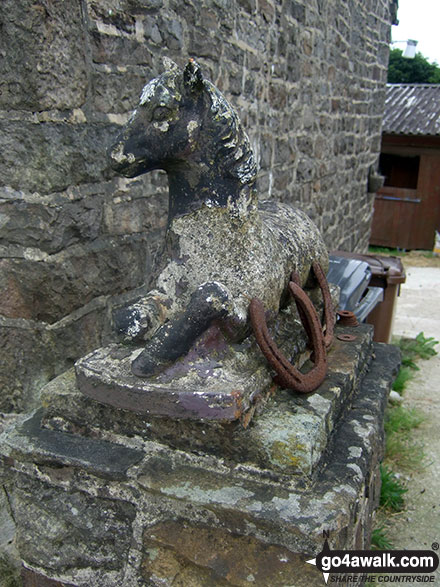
x: 419, y: 347
x: 412, y: 350
x: 386, y: 251
x: 380, y: 540
x: 402, y: 451
x: 377, y: 250
x: 401, y: 420
x: 404, y: 375
x: 392, y: 491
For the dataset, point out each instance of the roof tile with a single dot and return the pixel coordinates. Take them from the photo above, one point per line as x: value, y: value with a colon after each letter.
x: 412, y: 109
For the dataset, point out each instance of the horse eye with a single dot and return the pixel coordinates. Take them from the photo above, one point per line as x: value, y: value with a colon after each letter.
x: 160, y: 113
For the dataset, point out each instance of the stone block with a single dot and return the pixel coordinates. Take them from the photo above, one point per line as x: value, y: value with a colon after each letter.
x: 53, y: 156
x: 193, y: 554
x: 50, y: 223
x: 43, y: 56
x: 75, y: 530
x: 117, y: 92
x: 288, y: 433
x: 35, y: 352
x: 110, y: 49
x: 48, y: 287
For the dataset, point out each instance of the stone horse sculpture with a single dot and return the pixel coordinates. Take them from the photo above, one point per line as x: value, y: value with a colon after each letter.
x: 224, y: 248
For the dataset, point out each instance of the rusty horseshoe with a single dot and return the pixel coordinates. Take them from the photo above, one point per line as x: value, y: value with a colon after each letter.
x: 289, y: 376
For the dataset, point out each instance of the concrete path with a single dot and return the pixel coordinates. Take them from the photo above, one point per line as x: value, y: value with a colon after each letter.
x: 418, y: 309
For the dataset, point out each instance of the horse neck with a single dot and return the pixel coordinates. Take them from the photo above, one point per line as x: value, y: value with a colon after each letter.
x: 194, y: 184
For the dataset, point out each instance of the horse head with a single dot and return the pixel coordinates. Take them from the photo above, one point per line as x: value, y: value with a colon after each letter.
x: 164, y: 132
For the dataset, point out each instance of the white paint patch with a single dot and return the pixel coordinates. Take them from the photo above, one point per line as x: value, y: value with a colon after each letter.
x: 31, y: 254
x: 118, y: 153
x: 270, y: 183
x: 109, y: 29
x: 134, y: 329
x: 162, y: 126
x: 191, y: 127
x: 120, y: 119
x: 148, y: 91
x: 132, y: 116
x: 355, y: 451
x: 78, y: 116
x: 139, y: 30
x: 356, y: 469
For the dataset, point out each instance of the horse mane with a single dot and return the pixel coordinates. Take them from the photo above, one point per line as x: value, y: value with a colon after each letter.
x: 234, y: 155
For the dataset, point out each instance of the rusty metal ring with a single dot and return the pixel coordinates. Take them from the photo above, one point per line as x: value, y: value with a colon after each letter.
x: 329, y: 313
x: 289, y: 376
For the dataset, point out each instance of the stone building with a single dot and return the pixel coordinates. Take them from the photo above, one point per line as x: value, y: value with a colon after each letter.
x: 307, y: 77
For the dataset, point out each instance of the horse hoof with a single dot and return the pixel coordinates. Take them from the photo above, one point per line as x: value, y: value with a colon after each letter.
x: 128, y: 324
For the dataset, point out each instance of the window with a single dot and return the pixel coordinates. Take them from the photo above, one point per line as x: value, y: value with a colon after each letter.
x: 399, y: 172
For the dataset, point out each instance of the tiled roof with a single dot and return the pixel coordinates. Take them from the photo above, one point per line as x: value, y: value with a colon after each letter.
x: 412, y: 109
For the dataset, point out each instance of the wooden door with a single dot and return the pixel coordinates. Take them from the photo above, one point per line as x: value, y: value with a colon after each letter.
x: 407, y: 218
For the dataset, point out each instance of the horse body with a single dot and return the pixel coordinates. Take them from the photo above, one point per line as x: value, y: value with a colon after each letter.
x: 224, y: 248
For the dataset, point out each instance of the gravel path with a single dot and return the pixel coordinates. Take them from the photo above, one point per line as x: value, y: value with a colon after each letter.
x: 418, y: 309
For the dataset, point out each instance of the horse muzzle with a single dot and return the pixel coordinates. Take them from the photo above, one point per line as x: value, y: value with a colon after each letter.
x: 125, y: 162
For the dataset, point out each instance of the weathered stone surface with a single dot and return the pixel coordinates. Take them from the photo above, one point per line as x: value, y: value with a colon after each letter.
x: 33, y: 353
x: 114, y: 92
x: 75, y: 531
x: 288, y: 433
x: 185, y: 518
x: 215, y: 386
x: 48, y: 446
x: 43, y: 56
x: 70, y: 279
x: 191, y: 554
x: 36, y: 579
x: 50, y: 223
x: 53, y: 155
x: 7, y: 524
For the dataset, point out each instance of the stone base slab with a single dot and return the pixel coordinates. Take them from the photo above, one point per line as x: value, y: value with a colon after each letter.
x: 129, y: 511
x: 288, y: 432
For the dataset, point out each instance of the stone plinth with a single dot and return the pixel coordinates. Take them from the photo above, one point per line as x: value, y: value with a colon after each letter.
x: 107, y: 497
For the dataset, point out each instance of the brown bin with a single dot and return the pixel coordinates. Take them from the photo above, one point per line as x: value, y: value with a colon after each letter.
x: 387, y: 273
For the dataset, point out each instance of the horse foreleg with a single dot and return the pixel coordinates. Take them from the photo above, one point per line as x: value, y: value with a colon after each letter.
x: 209, y: 302
x: 139, y: 320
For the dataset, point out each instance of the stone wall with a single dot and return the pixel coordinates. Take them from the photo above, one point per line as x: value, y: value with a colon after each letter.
x: 308, y: 80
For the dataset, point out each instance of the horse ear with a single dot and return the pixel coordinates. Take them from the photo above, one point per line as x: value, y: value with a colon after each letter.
x: 192, y: 76
x: 169, y: 64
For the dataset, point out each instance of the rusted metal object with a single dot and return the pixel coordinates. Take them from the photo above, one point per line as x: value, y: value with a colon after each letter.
x: 289, y: 376
x: 329, y: 313
x: 347, y: 318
